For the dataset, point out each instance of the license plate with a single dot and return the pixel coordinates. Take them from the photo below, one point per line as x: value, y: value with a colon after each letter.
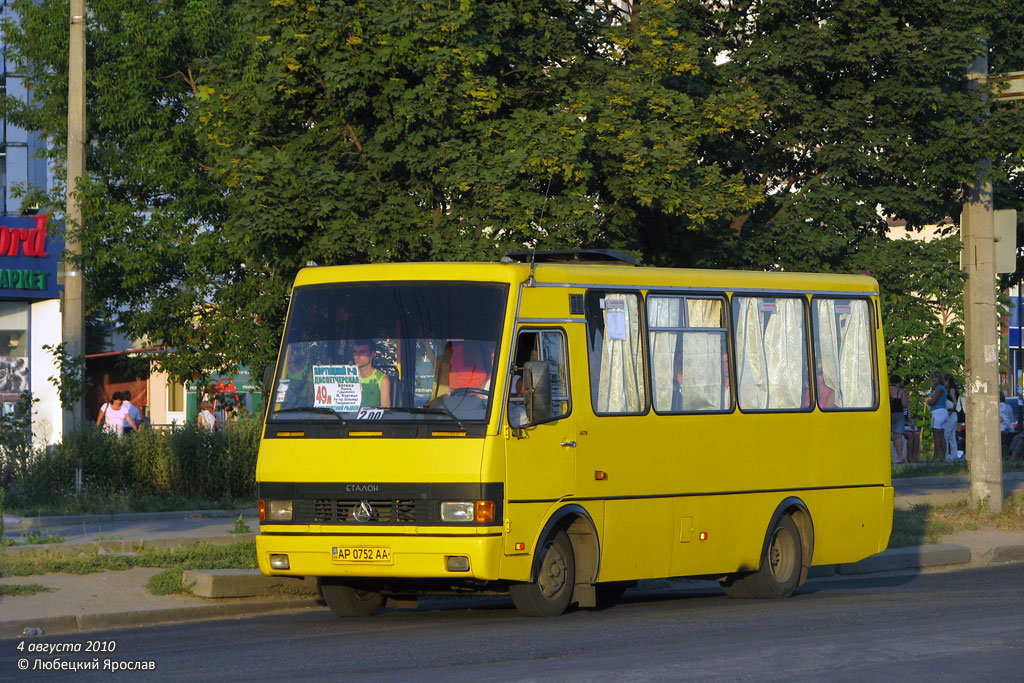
x: 361, y: 554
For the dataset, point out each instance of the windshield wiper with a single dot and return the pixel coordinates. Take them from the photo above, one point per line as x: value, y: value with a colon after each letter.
x: 312, y: 409
x: 441, y: 410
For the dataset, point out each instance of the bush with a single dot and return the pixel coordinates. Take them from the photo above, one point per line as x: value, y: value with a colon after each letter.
x: 184, y: 462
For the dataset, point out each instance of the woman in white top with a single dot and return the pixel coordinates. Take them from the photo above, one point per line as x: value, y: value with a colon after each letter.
x: 114, y: 414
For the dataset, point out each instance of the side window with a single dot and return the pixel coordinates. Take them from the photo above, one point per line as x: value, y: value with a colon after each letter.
x: 689, y: 354
x: 843, y: 355
x: 771, y: 353
x: 547, y: 347
x: 617, y: 372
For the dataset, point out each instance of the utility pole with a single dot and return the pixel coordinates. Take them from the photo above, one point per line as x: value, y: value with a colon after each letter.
x: 74, y: 287
x: 984, y: 448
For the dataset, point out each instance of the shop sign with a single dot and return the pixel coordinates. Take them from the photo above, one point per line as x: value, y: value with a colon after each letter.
x: 30, y: 248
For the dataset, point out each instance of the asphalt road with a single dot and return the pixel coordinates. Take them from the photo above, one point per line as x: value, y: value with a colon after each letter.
x: 963, y: 625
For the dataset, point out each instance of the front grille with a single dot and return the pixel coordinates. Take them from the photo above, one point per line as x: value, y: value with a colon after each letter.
x: 335, y: 511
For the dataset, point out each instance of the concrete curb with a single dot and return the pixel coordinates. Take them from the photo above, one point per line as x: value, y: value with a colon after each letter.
x: 93, y: 622
x: 244, y: 583
x: 1006, y: 553
x: 912, y: 557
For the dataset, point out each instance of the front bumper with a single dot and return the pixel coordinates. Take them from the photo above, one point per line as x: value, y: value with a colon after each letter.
x: 420, y: 556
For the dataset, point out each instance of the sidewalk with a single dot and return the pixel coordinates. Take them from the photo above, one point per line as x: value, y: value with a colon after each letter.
x: 114, y: 599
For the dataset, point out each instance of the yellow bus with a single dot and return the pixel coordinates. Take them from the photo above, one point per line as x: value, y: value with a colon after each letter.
x: 560, y: 425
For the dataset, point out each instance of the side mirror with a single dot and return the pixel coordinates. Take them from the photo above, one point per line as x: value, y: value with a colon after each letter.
x: 537, y: 391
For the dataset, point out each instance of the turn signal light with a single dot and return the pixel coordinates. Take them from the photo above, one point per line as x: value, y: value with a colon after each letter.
x: 262, y: 505
x: 484, y: 511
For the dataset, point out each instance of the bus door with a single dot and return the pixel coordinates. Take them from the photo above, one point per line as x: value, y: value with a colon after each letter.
x: 541, y: 448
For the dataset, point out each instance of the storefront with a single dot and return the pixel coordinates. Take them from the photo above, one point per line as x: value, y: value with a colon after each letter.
x: 30, y: 318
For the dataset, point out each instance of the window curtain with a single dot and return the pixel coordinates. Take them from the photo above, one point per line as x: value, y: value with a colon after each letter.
x: 702, y: 357
x: 784, y: 354
x: 620, y: 386
x: 702, y: 371
x: 664, y: 312
x: 751, y: 365
x: 855, y: 358
x: 828, y: 347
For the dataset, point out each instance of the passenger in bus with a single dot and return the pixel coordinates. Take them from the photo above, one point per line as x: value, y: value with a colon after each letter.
x: 296, y: 387
x: 471, y: 365
x: 826, y: 394
x: 375, y: 385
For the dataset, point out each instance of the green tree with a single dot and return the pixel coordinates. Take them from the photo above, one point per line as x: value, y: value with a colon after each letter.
x: 390, y: 131
x: 922, y: 305
x: 868, y: 116
x: 154, y: 257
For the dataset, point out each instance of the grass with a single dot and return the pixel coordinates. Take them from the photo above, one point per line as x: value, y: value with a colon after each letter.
x: 166, y: 582
x: 33, y: 538
x: 923, y: 524
x: 42, y: 538
x: 125, y: 502
x: 240, y: 527
x: 23, y: 589
x: 241, y: 555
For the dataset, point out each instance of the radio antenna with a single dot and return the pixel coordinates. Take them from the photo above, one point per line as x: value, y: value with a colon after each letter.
x: 540, y: 226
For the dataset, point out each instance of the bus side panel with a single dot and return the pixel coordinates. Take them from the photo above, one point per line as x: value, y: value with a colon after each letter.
x: 719, y: 534
x: 850, y: 524
x: 633, y: 546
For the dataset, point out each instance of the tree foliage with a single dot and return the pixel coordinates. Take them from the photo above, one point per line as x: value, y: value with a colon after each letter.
x: 232, y: 141
x: 153, y: 255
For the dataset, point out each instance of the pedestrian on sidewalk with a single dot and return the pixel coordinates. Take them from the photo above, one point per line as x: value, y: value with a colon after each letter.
x: 899, y: 402
x: 114, y: 414
x: 937, y: 405
x: 912, y: 436
x: 206, y: 419
x: 949, y: 426
x: 133, y: 412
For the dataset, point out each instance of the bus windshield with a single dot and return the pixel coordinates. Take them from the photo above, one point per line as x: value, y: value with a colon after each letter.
x: 390, y: 352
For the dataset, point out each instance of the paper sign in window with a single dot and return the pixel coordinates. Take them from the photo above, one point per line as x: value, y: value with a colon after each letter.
x: 337, y: 387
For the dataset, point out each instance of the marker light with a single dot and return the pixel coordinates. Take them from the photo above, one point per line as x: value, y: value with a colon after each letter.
x: 484, y: 511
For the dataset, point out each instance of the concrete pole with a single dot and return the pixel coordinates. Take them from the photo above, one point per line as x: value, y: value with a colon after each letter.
x: 984, y: 448
x: 74, y: 286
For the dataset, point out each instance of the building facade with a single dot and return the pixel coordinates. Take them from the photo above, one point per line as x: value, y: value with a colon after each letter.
x: 30, y: 250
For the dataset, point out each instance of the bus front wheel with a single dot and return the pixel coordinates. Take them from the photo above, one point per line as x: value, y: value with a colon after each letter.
x: 780, y: 566
x: 549, y: 594
x: 346, y: 601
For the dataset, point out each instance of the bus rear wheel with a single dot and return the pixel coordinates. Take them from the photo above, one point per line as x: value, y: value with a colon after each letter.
x: 346, y: 601
x: 550, y: 593
x: 780, y: 569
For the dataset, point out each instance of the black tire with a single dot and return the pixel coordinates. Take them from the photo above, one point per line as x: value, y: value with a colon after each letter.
x: 780, y: 569
x: 550, y: 593
x: 346, y: 601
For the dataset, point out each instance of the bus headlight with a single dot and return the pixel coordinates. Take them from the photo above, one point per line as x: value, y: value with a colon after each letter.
x: 457, y: 511
x: 279, y: 511
x: 479, y: 511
